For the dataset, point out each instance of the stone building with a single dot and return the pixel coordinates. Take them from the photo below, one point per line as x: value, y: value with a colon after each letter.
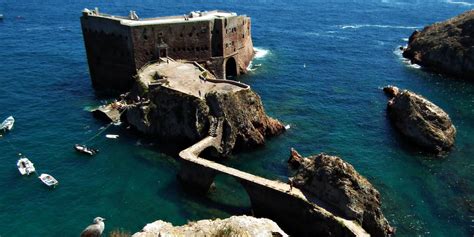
x: 118, y: 46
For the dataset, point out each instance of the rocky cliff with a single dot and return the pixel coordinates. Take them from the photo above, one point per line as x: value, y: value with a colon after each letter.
x: 244, y: 226
x: 336, y: 182
x: 446, y: 47
x: 420, y: 120
x: 176, y: 116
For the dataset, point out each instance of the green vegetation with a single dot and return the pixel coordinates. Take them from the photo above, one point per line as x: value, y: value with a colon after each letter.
x: 225, y: 231
x: 119, y: 233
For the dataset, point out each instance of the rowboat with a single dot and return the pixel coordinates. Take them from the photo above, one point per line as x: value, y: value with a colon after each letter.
x: 7, y: 124
x: 49, y: 180
x: 25, y: 166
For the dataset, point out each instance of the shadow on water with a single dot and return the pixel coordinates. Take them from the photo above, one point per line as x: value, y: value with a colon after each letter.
x: 226, y: 197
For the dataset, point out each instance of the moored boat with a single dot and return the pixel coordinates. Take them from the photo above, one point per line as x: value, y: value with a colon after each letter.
x: 112, y: 136
x: 25, y: 166
x: 86, y: 150
x: 7, y: 124
x: 48, y: 180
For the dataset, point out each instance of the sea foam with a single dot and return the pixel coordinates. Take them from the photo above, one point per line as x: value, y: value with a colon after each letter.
x: 405, y: 61
x: 260, y: 53
x: 357, y: 26
x: 468, y: 4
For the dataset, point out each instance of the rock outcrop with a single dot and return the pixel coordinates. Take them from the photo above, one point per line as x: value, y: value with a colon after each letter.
x: 446, y: 47
x: 421, y: 121
x: 337, y: 183
x: 174, y: 116
x: 244, y: 226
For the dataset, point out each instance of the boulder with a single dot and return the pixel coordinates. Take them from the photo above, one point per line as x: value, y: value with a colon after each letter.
x: 296, y: 160
x: 420, y: 120
x: 445, y: 47
x: 335, y: 182
x: 245, y: 226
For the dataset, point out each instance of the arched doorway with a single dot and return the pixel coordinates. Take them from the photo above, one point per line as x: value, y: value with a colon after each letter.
x: 230, y: 68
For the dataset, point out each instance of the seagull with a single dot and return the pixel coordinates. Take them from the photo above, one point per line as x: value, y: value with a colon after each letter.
x: 94, y: 230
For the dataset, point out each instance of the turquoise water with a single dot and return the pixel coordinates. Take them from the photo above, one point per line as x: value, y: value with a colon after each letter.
x: 324, y: 65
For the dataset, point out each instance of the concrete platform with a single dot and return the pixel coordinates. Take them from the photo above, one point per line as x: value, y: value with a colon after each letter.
x: 186, y: 77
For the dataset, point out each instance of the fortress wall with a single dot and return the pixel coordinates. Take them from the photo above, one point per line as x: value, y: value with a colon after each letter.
x: 109, y: 53
x: 188, y: 40
x: 115, y: 52
x: 238, y: 41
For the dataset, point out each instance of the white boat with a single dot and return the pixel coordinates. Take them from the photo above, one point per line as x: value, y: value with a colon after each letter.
x: 85, y: 150
x: 25, y: 166
x: 49, y: 180
x: 112, y: 136
x: 7, y: 124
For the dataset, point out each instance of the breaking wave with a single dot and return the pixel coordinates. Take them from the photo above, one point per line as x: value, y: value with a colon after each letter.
x: 405, y: 61
x: 357, y: 26
x: 260, y: 53
x: 468, y: 4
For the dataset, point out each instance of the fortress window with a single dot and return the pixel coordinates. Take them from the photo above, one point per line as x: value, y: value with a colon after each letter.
x: 181, y: 35
x: 197, y: 49
x: 191, y: 34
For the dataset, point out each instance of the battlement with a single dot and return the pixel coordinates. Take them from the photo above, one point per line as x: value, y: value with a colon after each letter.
x: 117, y: 46
x: 133, y: 20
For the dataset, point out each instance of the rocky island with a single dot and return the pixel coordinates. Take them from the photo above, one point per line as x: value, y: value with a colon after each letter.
x: 446, y: 47
x: 185, y: 101
x: 421, y: 121
x: 182, y: 99
x: 335, y: 182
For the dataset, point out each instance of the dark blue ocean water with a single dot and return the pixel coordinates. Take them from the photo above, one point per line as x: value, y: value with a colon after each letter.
x: 322, y: 66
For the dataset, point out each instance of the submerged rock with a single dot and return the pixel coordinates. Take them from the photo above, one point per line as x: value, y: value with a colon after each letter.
x: 337, y: 183
x: 233, y: 226
x: 420, y: 120
x: 446, y: 47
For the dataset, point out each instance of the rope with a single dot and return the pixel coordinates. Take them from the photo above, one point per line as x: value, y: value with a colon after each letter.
x: 103, y: 130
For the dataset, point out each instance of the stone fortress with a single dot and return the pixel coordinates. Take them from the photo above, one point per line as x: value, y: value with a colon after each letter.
x: 118, y: 46
x: 174, y: 70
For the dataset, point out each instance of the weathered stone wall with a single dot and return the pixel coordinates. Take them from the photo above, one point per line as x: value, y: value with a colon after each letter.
x: 115, y: 51
x: 237, y: 42
x: 188, y: 40
x: 109, y: 53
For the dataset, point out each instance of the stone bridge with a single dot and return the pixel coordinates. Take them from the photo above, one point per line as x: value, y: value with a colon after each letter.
x: 292, y: 209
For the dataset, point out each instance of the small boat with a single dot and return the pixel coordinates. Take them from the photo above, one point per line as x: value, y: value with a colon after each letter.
x: 7, y: 124
x: 25, y: 166
x: 85, y: 150
x: 112, y: 136
x: 49, y: 180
